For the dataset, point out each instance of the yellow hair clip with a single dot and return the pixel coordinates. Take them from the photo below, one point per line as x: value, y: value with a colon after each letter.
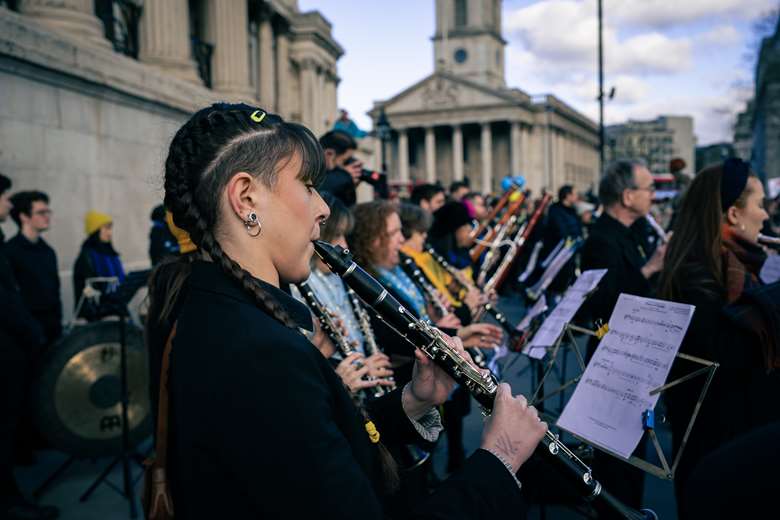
x: 373, y: 433
x: 257, y: 116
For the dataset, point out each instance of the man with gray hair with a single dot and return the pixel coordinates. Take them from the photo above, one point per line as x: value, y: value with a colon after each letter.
x: 626, y: 191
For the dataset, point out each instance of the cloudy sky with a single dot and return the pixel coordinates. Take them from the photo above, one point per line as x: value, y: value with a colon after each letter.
x: 662, y: 56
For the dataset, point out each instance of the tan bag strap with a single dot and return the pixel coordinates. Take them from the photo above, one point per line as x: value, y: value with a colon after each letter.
x: 162, y: 408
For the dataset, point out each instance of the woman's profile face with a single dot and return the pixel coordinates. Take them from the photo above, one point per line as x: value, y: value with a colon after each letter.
x: 748, y: 221
x: 291, y: 221
x: 106, y: 232
x: 463, y: 236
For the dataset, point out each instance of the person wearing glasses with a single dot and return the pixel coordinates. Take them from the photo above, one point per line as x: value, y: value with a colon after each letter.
x: 626, y: 191
x: 34, y: 261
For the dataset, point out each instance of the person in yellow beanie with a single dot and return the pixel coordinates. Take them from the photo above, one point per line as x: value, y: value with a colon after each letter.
x: 97, y: 258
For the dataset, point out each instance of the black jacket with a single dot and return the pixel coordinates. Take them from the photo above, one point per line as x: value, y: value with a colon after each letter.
x: 614, y: 247
x: 258, y: 416
x: 742, y: 395
x: 17, y: 325
x: 339, y: 183
x: 35, y: 269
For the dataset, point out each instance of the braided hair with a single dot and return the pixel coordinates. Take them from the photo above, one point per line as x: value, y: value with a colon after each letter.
x: 207, y: 151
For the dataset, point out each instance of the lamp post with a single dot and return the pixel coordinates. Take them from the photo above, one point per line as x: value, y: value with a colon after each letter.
x: 383, y: 130
x: 601, y: 88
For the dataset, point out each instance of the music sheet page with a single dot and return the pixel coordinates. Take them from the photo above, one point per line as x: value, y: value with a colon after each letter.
x: 632, y: 359
x: 563, y: 313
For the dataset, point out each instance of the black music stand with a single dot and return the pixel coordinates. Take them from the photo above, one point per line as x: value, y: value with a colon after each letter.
x: 119, y: 307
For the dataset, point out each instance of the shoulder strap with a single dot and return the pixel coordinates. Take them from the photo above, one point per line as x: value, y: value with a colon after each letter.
x: 162, y: 408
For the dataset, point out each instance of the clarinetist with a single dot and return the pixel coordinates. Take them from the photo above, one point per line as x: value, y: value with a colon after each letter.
x: 256, y: 411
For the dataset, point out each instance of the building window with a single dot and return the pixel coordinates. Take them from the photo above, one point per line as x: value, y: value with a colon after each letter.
x: 461, y: 13
x: 201, y: 49
x: 120, y: 24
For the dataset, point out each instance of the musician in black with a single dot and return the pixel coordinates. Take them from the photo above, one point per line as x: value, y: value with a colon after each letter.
x: 713, y: 262
x: 21, y: 337
x: 627, y: 194
x: 256, y: 411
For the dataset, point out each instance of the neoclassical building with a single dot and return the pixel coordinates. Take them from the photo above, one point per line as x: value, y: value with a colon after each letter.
x: 91, y: 92
x: 463, y: 120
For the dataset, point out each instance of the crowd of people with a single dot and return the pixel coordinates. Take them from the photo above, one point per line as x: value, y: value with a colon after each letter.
x: 272, y: 374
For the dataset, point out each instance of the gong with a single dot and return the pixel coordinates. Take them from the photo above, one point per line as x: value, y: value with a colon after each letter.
x: 78, y: 391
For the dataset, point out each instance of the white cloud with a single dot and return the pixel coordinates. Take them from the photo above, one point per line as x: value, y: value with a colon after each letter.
x: 665, y: 13
x: 722, y: 35
x: 565, y: 34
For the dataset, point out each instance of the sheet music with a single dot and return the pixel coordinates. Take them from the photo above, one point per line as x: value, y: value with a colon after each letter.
x: 632, y: 359
x: 563, y: 313
x: 770, y: 271
x: 539, y: 307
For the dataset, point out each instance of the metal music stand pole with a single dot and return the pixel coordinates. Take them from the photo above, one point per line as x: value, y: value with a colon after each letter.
x: 127, y: 453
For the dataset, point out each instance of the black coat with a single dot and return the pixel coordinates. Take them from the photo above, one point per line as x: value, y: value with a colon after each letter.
x: 614, y: 247
x: 339, y: 183
x: 35, y: 269
x: 742, y: 396
x: 16, y: 322
x: 259, y: 416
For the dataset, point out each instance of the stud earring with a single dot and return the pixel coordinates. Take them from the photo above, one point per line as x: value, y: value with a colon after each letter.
x: 252, y: 221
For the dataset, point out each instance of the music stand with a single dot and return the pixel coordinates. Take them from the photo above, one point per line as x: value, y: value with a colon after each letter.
x: 664, y: 471
x: 122, y: 296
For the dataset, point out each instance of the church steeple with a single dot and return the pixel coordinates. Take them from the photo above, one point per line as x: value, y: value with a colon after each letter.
x: 468, y: 40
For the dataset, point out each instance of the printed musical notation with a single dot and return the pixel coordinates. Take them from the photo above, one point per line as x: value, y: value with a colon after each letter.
x: 607, y: 409
x: 563, y: 313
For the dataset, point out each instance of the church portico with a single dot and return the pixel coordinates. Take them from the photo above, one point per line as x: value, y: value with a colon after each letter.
x: 462, y: 121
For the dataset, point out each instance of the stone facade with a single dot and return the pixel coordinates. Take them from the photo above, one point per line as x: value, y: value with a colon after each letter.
x: 462, y: 121
x: 766, y: 109
x: 656, y: 142
x: 91, y: 126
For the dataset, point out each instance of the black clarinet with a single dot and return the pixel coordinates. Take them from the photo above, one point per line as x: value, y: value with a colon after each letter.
x: 422, y: 283
x: 482, y: 385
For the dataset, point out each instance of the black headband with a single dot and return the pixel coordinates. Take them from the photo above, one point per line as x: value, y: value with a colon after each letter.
x: 733, y: 182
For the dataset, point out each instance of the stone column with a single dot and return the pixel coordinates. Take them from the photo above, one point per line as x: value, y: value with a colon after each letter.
x: 430, y: 155
x: 165, y: 38
x: 516, y: 149
x: 403, y: 155
x: 228, y: 30
x: 283, y: 74
x: 73, y: 18
x: 457, y: 153
x: 486, y: 147
x: 267, y: 66
x: 308, y: 78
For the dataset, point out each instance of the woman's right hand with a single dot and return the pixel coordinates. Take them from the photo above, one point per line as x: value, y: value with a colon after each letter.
x: 352, y: 370
x: 514, y: 429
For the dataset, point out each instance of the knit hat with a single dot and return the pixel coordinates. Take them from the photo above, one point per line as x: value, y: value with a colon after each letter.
x: 186, y: 245
x: 95, y: 220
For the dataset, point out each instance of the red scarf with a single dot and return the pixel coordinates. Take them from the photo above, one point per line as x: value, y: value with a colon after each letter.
x: 742, y: 262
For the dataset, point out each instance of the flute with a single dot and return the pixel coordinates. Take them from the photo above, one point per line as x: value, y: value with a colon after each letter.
x: 764, y: 239
x: 482, y: 385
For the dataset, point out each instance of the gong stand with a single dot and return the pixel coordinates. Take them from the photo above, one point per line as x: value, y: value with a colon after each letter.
x: 127, y: 454
x: 126, y: 291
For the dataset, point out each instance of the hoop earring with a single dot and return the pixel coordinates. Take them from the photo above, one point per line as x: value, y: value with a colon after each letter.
x: 252, y: 221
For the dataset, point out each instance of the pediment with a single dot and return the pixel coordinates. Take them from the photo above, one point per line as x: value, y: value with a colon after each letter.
x: 442, y: 92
